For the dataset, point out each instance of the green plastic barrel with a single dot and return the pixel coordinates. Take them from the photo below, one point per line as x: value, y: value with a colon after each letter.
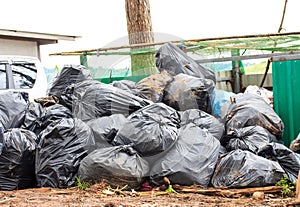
x: 286, y: 91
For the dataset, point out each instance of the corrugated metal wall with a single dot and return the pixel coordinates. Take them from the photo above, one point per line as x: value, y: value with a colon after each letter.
x: 256, y: 78
x: 223, y: 85
x: 286, y: 90
x: 247, y: 79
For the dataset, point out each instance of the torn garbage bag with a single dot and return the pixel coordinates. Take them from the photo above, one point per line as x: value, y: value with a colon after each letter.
x: 250, y: 138
x: 172, y: 59
x: 17, y: 158
x: 70, y: 74
x: 202, y: 120
x: 190, y: 161
x: 92, y: 99
x: 63, y: 144
x: 188, y: 92
x: 244, y: 169
x: 12, y: 109
x: 152, y: 130
x: 120, y: 166
x: 105, y: 128
x: 289, y: 160
x: 153, y: 86
x: 251, y: 110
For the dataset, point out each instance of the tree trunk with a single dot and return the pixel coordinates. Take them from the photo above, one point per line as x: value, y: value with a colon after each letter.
x: 139, y: 28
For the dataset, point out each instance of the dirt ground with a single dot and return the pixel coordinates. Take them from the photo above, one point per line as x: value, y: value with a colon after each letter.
x: 98, y: 196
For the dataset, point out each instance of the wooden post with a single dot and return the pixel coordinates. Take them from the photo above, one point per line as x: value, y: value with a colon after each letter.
x: 279, y: 30
x: 298, y: 187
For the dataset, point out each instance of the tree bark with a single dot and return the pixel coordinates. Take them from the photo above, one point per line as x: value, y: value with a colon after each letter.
x: 139, y: 26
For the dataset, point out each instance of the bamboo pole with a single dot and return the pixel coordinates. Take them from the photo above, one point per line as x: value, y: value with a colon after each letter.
x: 230, y: 192
x: 79, y: 52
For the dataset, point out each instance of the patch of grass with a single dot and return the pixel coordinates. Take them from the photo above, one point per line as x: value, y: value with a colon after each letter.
x: 170, y: 188
x: 257, y: 68
x: 288, y: 187
x: 82, y: 185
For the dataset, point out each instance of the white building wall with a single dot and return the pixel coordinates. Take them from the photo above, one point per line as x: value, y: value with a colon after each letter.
x: 19, y: 47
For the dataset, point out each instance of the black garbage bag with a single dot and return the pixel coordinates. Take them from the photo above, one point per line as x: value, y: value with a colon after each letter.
x: 63, y: 144
x: 32, y: 113
x: 241, y: 168
x: 70, y: 74
x: 222, y: 151
x: 12, y: 109
x: 153, y: 86
x: 171, y: 58
x: 126, y: 85
x: 120, y: 166
x: 74, y: 92
x: 295, y: 144
x: 17, y: 158
x: 37, y: 121
x: 289, y: 160
x: 251, y: 110
x: 188, y: 92
x: 92, y: 99
x: 190, y: 161
x: 250, y: 138
x: 152, y: 130
x: 105, y: 128
x: 202, y: 120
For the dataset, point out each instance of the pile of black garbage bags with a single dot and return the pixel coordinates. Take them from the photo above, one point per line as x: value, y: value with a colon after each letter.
x: 126, y: 133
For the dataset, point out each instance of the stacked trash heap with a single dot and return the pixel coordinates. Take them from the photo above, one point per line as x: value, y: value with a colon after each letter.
x: 172, y: 124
